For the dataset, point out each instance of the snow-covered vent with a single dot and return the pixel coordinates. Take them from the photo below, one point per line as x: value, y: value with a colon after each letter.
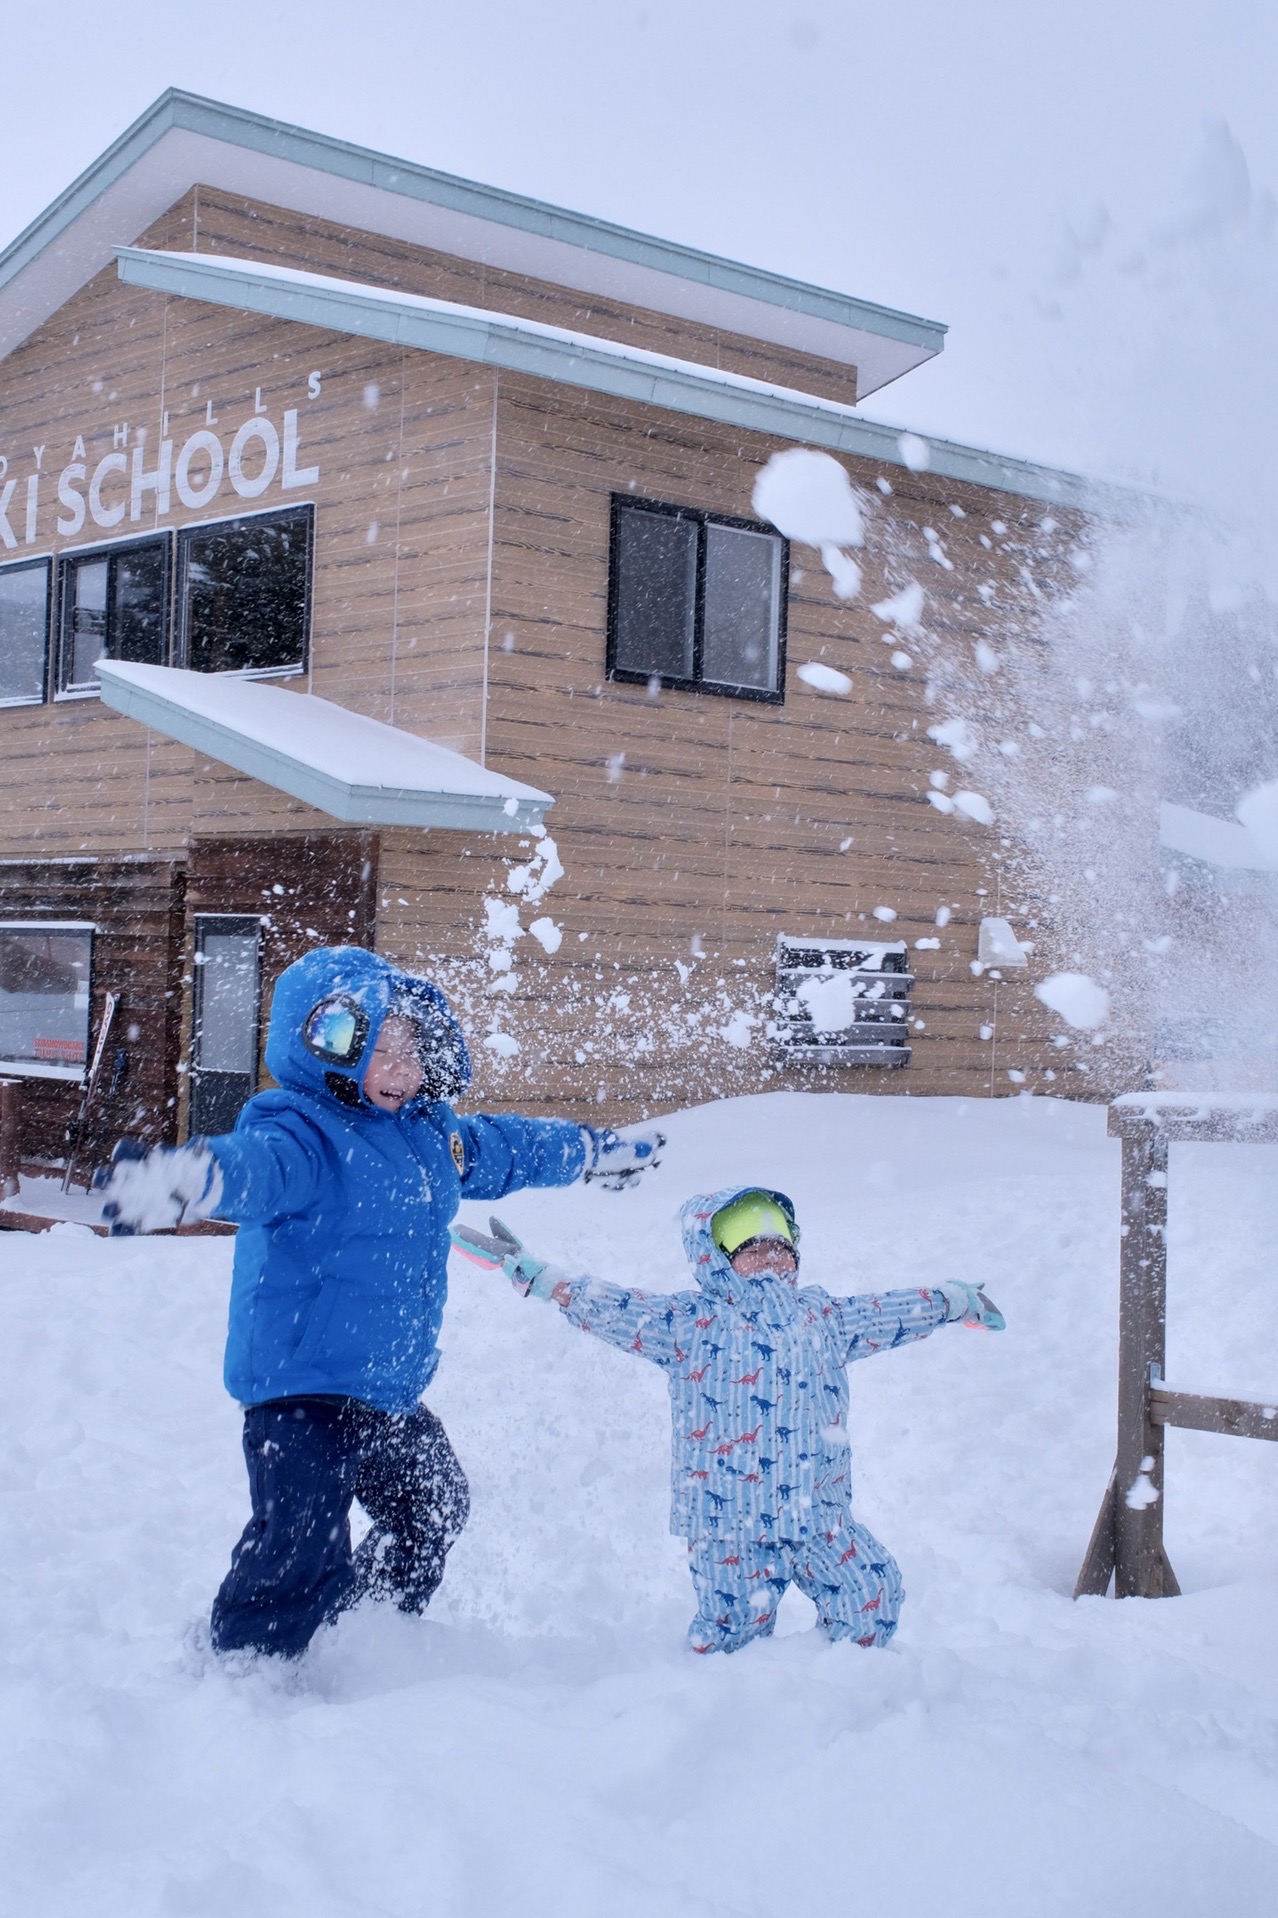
x: 842, y: 1002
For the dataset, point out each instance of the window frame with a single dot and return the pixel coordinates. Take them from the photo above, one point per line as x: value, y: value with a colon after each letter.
x: 701, y: 518
x: 108, y: 550
x: 34, y: 1069
x: 48, y: 561
x: 181, y: 652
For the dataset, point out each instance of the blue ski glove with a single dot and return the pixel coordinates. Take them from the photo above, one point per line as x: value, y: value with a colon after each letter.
x: 969, y: 1303
x: 154, y: 1188
x: 503, y: 1252
x: 618, y: 1159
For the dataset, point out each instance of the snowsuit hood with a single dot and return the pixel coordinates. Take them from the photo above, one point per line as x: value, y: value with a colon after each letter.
x: 375, y: 986
x: 341, y: 1260
x: 710, y: 1266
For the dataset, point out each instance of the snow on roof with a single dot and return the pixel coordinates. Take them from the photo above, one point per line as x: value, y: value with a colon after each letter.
x: 183, y: 140
x: 1222, y: 843
x: 351, y: 767
x: 579, y: 359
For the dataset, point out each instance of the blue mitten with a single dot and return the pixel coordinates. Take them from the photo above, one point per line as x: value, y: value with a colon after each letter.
x: 498, y: 1250
x: 970, y: 1304
x: 618, y: 1159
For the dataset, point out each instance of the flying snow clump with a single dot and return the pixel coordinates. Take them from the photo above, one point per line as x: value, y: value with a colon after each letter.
x: 824, y: 679
x: 976, y: 807
x: 960, y: 738
x: 915, y: 452
x: 904, y: 609
x: 1079, y: 1000
x: 808, y: 496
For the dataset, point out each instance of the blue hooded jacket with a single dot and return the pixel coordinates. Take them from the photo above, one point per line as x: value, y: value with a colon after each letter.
x: 340, y: 1264
x: 758, y: 1386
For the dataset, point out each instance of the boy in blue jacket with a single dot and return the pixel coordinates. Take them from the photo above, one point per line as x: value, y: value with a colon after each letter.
x: 756, y: 1365
x: 344, y: 1182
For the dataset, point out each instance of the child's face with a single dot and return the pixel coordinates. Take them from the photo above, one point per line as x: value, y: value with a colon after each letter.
x: 764, y: 1255
x: 394, y: 1073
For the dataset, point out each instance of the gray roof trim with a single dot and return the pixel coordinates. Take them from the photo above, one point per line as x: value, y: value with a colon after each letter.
x: 644, y: 269
x: 581, y: 360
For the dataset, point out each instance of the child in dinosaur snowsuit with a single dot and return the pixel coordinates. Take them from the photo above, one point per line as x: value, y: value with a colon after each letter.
x: 761, y: 1466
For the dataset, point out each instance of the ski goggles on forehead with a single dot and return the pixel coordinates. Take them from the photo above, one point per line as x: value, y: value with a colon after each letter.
x: 336, y: 1030
x: 753, y: 1216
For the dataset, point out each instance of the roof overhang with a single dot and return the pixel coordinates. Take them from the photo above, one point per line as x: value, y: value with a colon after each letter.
x: 353, y: 768
x: 583, y: 360
x: 183, y: 141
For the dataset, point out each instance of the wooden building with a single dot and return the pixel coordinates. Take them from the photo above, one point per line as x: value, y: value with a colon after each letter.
x: 375, y: 545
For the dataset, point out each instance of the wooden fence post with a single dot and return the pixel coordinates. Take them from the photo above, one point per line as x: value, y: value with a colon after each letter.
x: 1140, y: 1567
x: 9, y: 1138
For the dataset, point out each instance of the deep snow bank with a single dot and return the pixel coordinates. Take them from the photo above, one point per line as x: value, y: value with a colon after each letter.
x: 541, y: 1743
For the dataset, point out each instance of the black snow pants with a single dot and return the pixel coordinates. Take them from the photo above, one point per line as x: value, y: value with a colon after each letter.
x: 293, y: 1568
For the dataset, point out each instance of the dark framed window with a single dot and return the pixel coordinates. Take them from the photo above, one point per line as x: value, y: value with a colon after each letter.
x: 696, y: 600
x: 227, y: 1017
x: 46, y: 976
x: 114, y: 604
x: 244, y: 593
x: 26, y: 592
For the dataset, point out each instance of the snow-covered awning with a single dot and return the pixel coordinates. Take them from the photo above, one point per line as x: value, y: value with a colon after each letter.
x: 346, y: 765
x: 1222, y: 843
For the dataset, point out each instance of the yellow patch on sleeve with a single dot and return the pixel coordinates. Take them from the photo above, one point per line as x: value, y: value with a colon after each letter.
x: 458, y: 1151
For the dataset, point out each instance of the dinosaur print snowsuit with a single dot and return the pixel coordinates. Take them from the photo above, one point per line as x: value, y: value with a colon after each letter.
x: 760, y: 1463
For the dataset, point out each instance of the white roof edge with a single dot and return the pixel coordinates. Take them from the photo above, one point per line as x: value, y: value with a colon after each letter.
x: 1224, y: 844
x: 298, y: 743
x: 626, y: 264
x: 584, y: 360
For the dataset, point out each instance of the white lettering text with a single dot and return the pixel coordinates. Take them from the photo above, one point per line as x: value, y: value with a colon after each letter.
x: 73, y: 519
x: 293, y: 474
x: 156, y: 481
x: 254, y: 429
x: 106, y: 515
x: 210, y: 446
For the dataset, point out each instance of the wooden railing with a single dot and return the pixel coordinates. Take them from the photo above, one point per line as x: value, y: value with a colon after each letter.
x: 1127, y: 1540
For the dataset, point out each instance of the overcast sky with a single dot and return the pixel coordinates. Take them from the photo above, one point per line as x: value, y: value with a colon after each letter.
x: 977, y: 163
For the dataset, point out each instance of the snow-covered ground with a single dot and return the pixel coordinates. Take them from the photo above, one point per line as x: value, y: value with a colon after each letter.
x: 541, y: 1743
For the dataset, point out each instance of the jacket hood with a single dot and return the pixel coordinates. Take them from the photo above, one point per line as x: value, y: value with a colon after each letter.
x: 709, y: 1264
x: 375, y: 986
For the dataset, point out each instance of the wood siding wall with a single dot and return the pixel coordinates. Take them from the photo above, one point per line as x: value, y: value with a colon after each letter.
x: 460, y: 592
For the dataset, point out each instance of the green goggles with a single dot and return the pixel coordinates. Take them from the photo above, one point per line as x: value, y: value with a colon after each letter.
x: 755, y: 1215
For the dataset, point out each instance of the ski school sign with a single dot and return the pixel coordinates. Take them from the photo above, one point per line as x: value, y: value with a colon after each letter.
x: 132, y: 479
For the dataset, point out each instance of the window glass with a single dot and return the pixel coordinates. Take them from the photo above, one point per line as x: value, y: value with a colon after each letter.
x: 227, y: 1013
x: 24, y: 632
x: 656, y: 593
x: 115, y: 605
x: 44, y: 999
x: 696, y: 599
x: 743, y: 577
x: 244, y: 593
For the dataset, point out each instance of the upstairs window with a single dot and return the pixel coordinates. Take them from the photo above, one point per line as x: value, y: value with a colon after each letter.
x: 24, y: 632
x: 842, y: 1002
x: 696, y: 600
x: 115, y: 605
x: 244, y: 594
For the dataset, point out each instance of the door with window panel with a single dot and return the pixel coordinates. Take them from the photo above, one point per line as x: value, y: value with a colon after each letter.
x: 227, y: 1018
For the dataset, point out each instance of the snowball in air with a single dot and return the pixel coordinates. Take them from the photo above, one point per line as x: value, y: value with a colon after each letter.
x: 824, y: 679
x: 808, y: 496
x: 1079, y: 1000
x: 976, y: 807
x: 915, y: 452
x: 904, y: 609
